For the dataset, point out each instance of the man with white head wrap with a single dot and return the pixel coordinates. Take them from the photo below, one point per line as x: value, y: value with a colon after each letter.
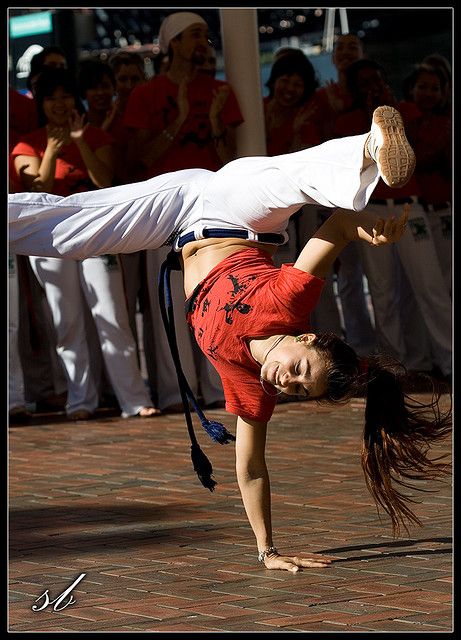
x: 181, y: 120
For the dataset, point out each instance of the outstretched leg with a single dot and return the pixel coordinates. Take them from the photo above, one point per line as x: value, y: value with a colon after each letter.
x: 120, y: 219
x: 258, y: 194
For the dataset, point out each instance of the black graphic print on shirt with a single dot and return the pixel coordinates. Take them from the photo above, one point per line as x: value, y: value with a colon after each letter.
x: 197, y: 128
x: 234, y: 304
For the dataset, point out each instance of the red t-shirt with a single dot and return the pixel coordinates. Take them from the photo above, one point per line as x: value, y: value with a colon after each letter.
x: 279, y: 139
x: 153, y: 106
x: 245, y: 296
x: 125, y: 173
x: 22, y: 116
x: 71, y: 175
x: 329, y: 103
x: 431, y: 139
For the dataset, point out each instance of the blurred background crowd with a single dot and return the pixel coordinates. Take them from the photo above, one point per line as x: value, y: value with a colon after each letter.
x: 102, y: 97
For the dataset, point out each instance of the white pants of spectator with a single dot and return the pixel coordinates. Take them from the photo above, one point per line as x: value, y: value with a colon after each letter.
x: 136, y: 292
x: 199, y: 372
x: 258, y: 194
x: 419, y: 259
x: 16, y: 397
x: 44, y: 376
x: 360, y: 332
x: 415, y: 334
x: 99, y: 280
x: 440, y: 221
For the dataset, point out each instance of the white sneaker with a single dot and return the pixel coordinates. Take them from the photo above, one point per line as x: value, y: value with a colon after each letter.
x: 389, y: 147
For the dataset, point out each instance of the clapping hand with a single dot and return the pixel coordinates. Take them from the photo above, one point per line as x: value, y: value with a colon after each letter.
x: 219, y: 100
x: 76, y: 125
x: 56, y: 137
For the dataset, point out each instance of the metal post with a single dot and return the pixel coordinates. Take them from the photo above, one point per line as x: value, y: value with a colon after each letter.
x: 329, y: 30
x: 344, y: 21
x: 239, y: 31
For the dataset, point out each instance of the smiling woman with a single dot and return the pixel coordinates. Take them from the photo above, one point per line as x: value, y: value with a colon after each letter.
x: 292, y: 83
x: 295, y: 370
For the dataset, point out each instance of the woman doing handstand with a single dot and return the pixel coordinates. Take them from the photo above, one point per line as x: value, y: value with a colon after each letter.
x: 251, y: 318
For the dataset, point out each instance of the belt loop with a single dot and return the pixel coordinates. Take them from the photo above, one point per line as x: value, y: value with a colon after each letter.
x: 199, y: 233
x: 252, y: 235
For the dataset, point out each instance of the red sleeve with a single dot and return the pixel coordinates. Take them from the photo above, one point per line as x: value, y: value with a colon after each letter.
x: 96, y: 137
x: 31, y: 144
x: 297, y: 290
x: 24, y: 148
x: 22, y: 116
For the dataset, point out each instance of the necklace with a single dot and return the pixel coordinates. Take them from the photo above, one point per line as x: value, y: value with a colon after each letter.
x: 272, y: 347
x: 261, y: 380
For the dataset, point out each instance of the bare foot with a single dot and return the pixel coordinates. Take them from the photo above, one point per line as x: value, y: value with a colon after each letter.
x: 149, y: 412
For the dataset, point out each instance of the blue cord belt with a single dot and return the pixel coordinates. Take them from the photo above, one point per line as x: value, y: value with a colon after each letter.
x: 216, y: 430
x: 270, y: 238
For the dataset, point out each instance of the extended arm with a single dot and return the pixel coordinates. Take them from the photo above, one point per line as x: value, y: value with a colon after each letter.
x: 343, y: 227
x: 253, y: 481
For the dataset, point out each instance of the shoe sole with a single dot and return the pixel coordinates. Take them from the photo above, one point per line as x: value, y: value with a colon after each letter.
x: 395, y: 158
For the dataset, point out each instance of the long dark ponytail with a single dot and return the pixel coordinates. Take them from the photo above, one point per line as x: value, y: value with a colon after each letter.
x: 398, y: 436
x: 399, y: 430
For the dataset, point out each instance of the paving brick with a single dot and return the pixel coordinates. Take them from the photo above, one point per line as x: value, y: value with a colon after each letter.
x: 119, y: 501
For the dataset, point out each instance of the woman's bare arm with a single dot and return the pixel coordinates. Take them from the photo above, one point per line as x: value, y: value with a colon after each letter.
x: 253, y: 481
x: 343, y: 227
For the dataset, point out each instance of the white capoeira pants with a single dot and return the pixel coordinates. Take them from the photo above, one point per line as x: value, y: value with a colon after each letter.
x: 258, y: 194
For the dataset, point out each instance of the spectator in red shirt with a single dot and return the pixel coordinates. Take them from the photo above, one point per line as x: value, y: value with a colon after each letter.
x: 327, y: 104
x: 431, y: 136
x: 65, y: 157
x: 406, y: 282
x: 289, y: 127
x: 42, y: 382
x: 251, y: 318
x: 128, y: 71
x: 334, y: 98
x: 181, y: 119
x: 438, y: 61
x: 292, y: 83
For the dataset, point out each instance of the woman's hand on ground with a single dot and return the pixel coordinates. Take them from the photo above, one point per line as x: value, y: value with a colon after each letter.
x: 296, y: 563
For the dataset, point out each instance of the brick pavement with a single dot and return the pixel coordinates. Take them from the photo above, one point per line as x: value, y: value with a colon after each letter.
x: 118, y: 501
